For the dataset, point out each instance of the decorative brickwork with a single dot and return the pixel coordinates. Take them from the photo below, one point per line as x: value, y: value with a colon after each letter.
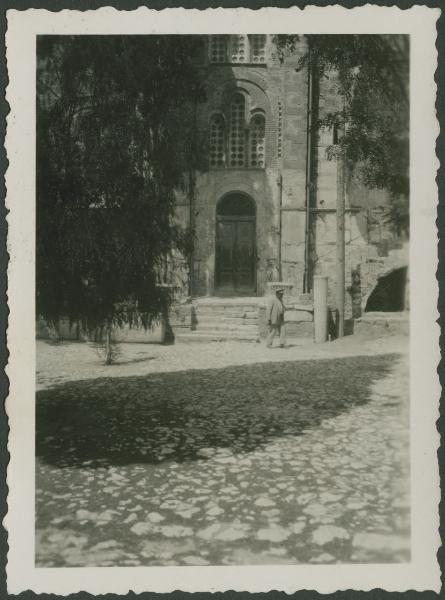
x: 279, y: 129
x: 257, y: 141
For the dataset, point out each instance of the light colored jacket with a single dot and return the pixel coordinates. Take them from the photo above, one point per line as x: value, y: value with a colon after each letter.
x: 275, y: 313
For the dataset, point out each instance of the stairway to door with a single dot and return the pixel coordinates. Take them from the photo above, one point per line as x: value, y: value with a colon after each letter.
x: 221, y: 319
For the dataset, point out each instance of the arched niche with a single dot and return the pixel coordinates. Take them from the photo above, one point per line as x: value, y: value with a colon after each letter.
x: 389, y: 294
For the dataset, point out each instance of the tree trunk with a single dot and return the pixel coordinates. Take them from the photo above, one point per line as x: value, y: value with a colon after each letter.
x: 108, y: 355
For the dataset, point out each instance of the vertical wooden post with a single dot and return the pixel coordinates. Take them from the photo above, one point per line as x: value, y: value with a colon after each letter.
x: 320, y: 309
x: 340, y: 266
x: 308, y: 193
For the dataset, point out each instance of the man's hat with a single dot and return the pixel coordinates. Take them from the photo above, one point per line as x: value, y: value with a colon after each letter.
x: 279, y: 289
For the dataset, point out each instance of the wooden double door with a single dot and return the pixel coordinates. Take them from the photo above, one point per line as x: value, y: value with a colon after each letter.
x: 235, y: 269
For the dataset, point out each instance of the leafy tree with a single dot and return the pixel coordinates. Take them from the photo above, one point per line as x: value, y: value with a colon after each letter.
x: 373, y: 80
x: 115, y: 139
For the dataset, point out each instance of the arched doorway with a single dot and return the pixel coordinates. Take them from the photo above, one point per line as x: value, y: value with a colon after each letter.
x: 235, y: 271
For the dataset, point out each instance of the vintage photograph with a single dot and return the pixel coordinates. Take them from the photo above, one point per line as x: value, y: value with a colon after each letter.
x: 222, y: 300
x: 222, y: 336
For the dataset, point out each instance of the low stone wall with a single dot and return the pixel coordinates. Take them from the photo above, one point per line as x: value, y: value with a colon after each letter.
x: 298, y: 320
x: 380, y: 324
x: 66, y: 332
x: 63, y: 331
x: 138, y: 335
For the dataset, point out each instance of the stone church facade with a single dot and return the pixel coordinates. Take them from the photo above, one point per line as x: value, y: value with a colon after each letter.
x: 264, y: 210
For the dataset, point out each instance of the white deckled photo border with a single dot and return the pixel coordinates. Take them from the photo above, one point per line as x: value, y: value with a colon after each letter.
x: 422, y: 573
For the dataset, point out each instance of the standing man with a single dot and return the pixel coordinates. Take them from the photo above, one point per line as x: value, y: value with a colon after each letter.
x: 275, y: 319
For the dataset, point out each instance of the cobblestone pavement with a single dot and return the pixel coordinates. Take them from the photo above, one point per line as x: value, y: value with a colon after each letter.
x: 284, y: 456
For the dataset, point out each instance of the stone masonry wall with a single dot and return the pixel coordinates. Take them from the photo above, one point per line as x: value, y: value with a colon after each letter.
x: 370, y: 245
x: 280, y: 90
x: 293, y: 165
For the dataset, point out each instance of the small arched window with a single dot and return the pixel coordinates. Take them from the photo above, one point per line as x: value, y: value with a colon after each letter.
x: 217, y: 141
x: 237, y: 136
x: 257, y: 141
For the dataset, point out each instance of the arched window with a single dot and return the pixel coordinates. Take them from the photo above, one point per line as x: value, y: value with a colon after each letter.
x: 217, y: 141
x: 237, y: 137
x: 234, y: 143
x: 238, y: 48
x: 257, y: 141
x: 218, y: 48
x: 258, y: 48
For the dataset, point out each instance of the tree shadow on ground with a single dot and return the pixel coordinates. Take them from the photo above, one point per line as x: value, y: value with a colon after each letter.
x: 174, y: 416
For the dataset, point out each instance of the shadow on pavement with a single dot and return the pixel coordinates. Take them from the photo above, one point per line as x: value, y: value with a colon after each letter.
x: 133, y: 361
x: 174, y: 416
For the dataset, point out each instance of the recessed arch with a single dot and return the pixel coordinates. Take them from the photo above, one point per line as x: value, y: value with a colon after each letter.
x: 236, y: 204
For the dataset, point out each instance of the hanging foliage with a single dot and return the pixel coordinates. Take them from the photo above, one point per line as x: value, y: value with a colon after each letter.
x: 372, y: 75
x: 115, y: 139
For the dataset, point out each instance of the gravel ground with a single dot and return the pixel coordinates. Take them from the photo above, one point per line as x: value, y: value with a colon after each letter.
x: 223, y: 453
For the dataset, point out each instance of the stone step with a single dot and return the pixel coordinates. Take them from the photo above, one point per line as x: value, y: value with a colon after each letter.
x: 199, y: 318
x: 219, y: 304
x: 205, y: 319
x: 218, y: 301
x: 216, y: 336
x: 230, y: 311
x: 227, y: 327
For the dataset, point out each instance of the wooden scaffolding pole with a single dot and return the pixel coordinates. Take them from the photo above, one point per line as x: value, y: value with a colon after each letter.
x: 340, y: 263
